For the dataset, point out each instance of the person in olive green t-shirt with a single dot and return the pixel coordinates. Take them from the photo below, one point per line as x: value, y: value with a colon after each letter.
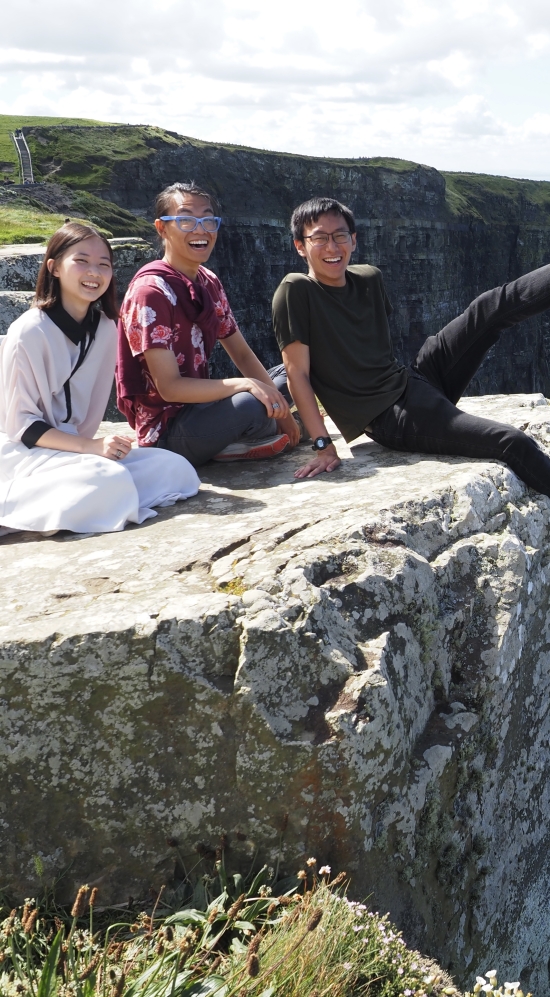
x: 353, y: 370
x: 332, y: 328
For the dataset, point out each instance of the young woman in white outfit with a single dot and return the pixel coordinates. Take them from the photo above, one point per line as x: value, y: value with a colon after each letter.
x: 56, y: 369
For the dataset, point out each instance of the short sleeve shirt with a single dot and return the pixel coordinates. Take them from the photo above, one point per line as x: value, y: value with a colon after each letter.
x: 352, y: 367
x: 152, y: 318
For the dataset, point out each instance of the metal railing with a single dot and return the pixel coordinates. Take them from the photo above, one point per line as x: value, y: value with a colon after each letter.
x: 25, y: 162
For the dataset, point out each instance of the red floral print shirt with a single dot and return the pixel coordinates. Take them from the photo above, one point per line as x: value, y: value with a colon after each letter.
x: 152, y: 318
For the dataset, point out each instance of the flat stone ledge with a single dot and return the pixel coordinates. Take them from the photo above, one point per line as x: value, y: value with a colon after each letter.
x: 238, y: 508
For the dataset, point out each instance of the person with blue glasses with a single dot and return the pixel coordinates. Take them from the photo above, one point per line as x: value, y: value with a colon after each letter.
x: 173, y: 314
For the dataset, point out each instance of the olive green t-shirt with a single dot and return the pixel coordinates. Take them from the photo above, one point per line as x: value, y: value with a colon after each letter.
x: 353, y: 371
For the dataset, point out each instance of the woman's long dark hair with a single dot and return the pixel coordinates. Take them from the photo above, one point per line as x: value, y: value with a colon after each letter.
x: 48, y: 291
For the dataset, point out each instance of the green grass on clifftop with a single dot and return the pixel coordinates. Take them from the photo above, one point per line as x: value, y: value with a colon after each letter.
x: 82, y: 156
x: 23, y: 223
x: 9, y: 162
x: 495, y: 199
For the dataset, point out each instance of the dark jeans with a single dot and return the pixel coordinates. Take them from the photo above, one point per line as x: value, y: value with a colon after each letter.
x: 425, y: 418
x: 198, y: 432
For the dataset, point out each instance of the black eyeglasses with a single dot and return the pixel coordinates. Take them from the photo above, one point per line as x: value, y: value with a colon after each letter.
x: 321, y: 239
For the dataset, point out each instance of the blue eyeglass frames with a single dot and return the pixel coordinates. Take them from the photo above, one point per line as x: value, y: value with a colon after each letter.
x: 188, y: 223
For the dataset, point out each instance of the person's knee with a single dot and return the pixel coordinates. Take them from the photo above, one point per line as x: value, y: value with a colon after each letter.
x: 251, y: 413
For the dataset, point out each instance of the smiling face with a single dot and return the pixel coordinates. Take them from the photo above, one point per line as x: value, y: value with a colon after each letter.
x: 327, y: 263
x: 187, y: 250
x: 84, y: 272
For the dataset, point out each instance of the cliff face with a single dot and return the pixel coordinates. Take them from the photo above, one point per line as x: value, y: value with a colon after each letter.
x: 369, y: 654
x: 439, y: 239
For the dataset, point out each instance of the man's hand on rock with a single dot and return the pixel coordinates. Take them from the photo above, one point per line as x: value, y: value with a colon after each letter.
x: 324, y: 460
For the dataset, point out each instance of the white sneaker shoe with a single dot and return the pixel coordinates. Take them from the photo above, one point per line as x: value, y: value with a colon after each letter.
x: 257, y: 450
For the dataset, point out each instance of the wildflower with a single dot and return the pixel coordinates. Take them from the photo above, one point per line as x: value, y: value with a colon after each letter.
x: 253, y: 964
x: 272, y: 907
x: 213, y: 915
x: 337, y: 879
x: 93, y: 896
x: 91, y: 966
x: 324, y: 870
x: 302, y: 874
x: 314, y: 919
x: 347, y: 966
x: 400, y: 971
x: 30, y: 922
x: 512, y: 986
x: 490, y: 973
x: 311, y: 862
x: 79, y: 905
x: 254, y: 944
x: 235, y: 908
x: 117, y: 992
x: 169, y: 933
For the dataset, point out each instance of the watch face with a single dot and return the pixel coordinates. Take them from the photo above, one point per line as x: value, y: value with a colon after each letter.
x: 320, y: 443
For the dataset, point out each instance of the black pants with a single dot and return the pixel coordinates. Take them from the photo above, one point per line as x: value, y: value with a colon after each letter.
x: 425, y: 418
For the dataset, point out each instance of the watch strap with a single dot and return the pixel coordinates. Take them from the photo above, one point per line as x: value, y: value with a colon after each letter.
x: 321, y: 443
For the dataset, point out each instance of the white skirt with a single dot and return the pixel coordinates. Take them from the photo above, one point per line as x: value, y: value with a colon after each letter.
x: 44, y: 490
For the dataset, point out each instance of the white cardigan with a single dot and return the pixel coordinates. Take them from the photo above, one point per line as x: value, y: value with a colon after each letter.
x: 43, y: 489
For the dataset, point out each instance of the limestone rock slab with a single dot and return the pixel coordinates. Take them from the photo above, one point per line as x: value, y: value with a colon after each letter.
x: 12, y: 305
x: 368, y: 653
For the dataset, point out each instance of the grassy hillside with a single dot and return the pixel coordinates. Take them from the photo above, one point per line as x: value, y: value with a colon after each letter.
x: 9, y: 164
x: 82, y: 156
x: 498, y: 199
x: 23, y: 218
x: 21, y: 223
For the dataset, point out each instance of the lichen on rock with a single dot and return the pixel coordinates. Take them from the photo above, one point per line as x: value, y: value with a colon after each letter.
x: 368, y: 653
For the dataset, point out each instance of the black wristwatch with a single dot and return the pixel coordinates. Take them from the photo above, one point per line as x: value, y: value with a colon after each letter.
x: 321, y: 443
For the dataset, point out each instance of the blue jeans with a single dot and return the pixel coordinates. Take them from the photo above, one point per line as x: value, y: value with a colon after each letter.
x: 426, y: 419
x: 198, y: 432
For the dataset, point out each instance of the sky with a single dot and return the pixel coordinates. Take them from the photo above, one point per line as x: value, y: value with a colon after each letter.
x: 456, y: 84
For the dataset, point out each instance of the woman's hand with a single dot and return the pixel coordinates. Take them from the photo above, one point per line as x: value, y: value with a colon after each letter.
x: 289, y: 426
x: 324, y: 460
x: 275, y: 405
x: 112, y: 447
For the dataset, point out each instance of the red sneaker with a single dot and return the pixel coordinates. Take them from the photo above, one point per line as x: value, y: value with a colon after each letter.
x: 258, y: 450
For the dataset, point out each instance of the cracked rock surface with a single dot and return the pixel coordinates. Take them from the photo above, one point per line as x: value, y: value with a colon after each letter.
x: 368, y: 653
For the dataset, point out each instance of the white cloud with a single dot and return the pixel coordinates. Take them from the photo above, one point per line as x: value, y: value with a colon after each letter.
x: 456, y: 83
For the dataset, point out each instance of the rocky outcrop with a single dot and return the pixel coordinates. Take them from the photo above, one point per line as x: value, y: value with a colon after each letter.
x: 12, y: 305
x: 368, y: 653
